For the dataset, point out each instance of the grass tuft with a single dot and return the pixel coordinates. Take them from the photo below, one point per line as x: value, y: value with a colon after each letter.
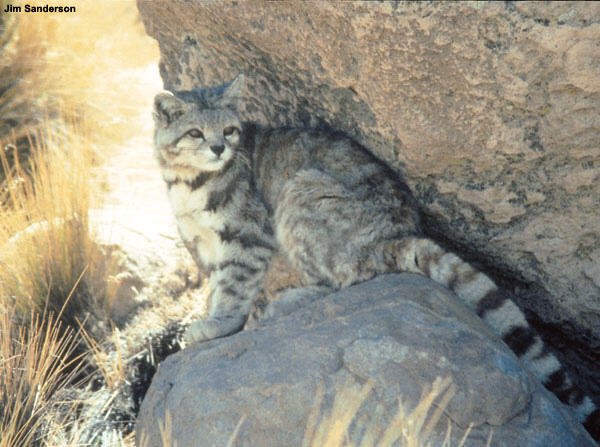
x: 49, y: 261
x: 33, y: 366
x: 24, y: 86
x: 406, y: 429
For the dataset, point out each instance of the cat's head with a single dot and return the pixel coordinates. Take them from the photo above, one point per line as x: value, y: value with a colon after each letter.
x: 197, y: 130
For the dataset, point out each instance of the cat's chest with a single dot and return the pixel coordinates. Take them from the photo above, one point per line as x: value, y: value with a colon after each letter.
x: 196, y: 224
x: 184, y: 200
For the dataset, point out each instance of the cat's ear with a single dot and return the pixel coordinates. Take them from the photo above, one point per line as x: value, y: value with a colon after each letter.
x: 167, y: 108
x: 233, y: 92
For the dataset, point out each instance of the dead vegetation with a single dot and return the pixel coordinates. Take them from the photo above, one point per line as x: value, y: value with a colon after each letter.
x: 69, y: 376
x: 59, y: 116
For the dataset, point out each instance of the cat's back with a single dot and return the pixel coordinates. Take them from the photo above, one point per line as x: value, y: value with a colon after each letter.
x: 280, y: 153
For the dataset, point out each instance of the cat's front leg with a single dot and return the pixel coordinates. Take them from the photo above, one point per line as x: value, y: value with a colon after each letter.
x: 214, y: 327
x: 234, y: 286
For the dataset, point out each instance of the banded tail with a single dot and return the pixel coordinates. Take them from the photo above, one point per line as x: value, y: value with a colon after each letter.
x: 421, y: 255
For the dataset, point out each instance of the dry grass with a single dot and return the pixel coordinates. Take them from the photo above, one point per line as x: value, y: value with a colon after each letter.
x: 110, y: 363
x: 24, y: 101
x: 62, y: 107
x: 50, y: 269
x: 408, y: 429
x: 91, y: 62
x: 103, y: 53
x: 336, y: 426
x: 33, y: 366
x: 56, y: 83
x: 47, y: 253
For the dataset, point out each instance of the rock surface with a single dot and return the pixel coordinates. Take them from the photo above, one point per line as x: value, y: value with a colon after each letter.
x: 491, y: 111
x: 399, y: 332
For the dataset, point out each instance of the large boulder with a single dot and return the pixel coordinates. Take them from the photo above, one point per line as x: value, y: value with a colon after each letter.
x: 490, y: 110
x: 396, y: 332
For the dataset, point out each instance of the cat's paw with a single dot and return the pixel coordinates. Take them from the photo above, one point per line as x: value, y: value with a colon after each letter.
x: 293, y: 300
x: 215, y: 327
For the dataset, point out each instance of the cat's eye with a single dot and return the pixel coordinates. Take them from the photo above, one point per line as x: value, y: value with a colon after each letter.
x: 230, y: 130
x: 195, y: 133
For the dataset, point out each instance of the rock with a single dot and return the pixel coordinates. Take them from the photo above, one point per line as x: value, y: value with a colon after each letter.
x: 123, y: 284
x: 396, y: 332
x: 490, y: 110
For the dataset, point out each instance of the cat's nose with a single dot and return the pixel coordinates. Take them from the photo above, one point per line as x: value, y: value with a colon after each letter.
x: 218, y: 149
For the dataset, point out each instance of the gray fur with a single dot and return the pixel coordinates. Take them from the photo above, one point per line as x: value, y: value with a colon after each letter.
x: 338, y: 213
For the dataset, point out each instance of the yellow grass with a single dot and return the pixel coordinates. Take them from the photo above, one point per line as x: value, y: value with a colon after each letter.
x: 407, y: 429
x: 111, y: 364
x: 69, y: 93
x: 91, y: 61
x: 33, y: 365
x: 331, y: 428
x: 24, y: 99
x: 47, y: 253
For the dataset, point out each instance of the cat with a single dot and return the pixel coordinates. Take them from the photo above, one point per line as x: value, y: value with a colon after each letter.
x: 242, y: 192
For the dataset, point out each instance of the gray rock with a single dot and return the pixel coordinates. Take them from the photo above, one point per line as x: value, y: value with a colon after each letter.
x: 491, y: 110
x: 398, y: 332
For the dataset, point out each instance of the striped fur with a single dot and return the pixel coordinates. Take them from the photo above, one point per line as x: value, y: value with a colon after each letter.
x: 339, y: 214
x: 496, y: 308
x: 225, y: 228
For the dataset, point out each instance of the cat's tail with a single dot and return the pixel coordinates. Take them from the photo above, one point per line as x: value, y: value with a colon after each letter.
x: 497, y: 309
